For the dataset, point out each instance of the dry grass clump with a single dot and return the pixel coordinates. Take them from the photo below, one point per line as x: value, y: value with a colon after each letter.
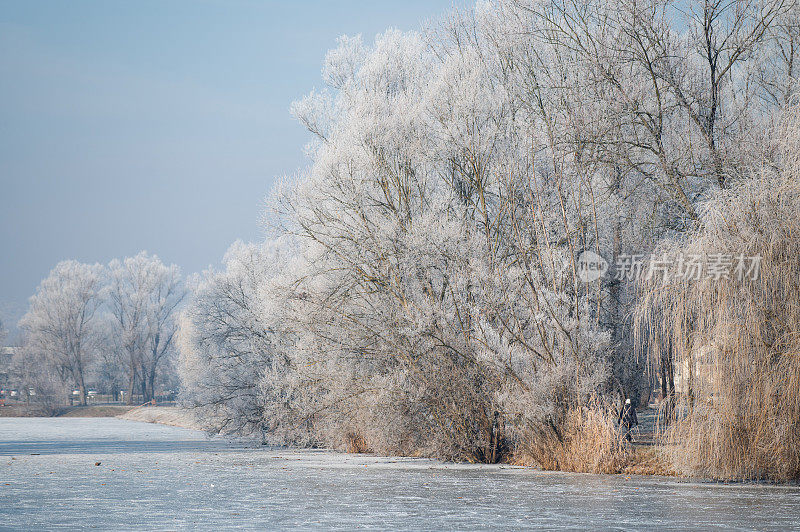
x: 355, y: 443
x: 739, y: 338
x: 587, y: 442
x: 648, y: 460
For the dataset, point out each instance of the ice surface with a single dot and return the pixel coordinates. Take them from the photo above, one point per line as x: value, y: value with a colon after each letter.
x: 158, y: 477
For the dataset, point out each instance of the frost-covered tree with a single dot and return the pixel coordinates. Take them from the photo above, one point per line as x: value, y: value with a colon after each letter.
x: 443, y: 288
x: 143, y: 296
x: 658, y: 104
x: 231, y: 336
x: 61, y: 329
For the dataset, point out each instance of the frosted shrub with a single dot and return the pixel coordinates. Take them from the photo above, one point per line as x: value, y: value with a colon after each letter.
x: 39, y: 382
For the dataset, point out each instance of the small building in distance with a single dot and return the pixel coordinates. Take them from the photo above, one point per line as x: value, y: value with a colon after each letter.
x: 6, y: 358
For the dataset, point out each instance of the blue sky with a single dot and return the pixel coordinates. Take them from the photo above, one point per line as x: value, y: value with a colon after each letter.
x: 156, y: 125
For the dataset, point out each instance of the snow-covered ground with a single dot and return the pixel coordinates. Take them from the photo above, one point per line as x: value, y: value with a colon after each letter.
x: 158, y: 477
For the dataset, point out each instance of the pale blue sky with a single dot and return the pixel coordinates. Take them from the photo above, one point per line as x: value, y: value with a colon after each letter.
x: 156, y: 125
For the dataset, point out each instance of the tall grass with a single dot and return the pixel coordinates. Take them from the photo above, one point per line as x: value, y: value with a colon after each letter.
x: 738, y: 339
x: 586, y: 442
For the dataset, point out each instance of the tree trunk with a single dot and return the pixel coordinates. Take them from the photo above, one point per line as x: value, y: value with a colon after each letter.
x: 151, y: 382
x: 82, y: 389
x: 143, y: 386
x: 131, y: 382
x: 670, y: 370
x: 690, y: 384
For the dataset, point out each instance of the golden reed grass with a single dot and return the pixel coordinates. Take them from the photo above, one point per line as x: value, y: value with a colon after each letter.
x: 586, y: 442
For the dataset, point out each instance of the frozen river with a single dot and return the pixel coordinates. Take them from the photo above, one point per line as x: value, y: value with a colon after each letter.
x: 157, y: 477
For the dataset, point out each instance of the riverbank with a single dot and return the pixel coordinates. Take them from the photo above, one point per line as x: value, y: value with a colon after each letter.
x: 643, y: 456
x: 66, y: 411
x: 172, y: 416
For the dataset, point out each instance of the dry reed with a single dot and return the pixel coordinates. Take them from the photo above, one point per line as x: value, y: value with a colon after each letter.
x: 587, y: 442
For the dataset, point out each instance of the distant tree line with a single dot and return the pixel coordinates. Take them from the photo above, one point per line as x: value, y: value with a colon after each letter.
x: 111, y: 328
